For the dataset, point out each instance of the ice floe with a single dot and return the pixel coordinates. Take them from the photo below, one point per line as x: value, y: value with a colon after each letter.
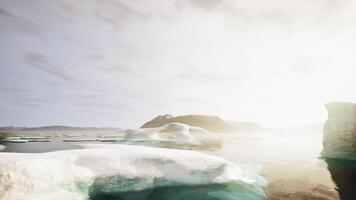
x: 141, y: 134
x: 113, y: 169
x: 177, y: 132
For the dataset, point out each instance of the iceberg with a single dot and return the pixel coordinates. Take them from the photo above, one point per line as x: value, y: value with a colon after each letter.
x: 14, y: 140
x: 79, y: 140
x: 103, y: 170
x: 340, y: 131
x: 2, y: 147
x: 141, y: 134
x: 179, y: 132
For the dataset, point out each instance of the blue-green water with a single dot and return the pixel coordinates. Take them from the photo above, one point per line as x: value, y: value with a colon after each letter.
x: 228, y: 191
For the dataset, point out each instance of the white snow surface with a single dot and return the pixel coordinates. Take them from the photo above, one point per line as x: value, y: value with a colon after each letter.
x: 340, y: 131
x: 71, y: 174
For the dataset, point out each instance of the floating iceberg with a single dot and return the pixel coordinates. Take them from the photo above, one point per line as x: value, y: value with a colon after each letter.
x: 340, y: 131
x: 141, y: 134
x: 109, y: 170
x: 2, y: 147
x: 178, y: 131
x: 79, y: 140
x: 181, y: 131
x: 14, y: 140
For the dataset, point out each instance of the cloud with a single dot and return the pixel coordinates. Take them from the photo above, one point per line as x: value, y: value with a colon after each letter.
x: 207, y: 4
x: 12, y: 89
x: 4, y: 13
x: 14, y: 24
x: 39, y: 61
x: 243, y: 60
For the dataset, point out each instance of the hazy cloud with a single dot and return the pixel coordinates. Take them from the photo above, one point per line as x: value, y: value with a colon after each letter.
x: 14, y: 24
x: 207, y: 4
x: 256, y: 60
x: 4, y: 13
x: 39, y: 61
x: 12, y: 89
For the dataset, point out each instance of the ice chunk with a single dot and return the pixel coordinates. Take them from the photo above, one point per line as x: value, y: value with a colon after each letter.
x: 14, y: 140
x: 79, y: 140
x: 340, y: 131
x: 2, y: 147
x: 194, y: 129
x: 180, y: 132
x: 142, y: 134
x: 113, y: 169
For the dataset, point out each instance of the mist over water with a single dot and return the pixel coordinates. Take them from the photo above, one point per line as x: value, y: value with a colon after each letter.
x: 289, y: 160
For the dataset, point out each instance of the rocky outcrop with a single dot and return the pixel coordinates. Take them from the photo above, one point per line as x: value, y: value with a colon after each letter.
x: 209, y: 123
x: 340, y: 131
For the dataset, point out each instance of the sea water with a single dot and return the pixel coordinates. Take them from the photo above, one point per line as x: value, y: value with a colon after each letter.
x: 289, y: 161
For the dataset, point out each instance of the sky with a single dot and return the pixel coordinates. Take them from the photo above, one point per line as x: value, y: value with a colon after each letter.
x: 122, y: 62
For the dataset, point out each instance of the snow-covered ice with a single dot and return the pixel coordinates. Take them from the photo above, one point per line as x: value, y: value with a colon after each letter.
x: 340, y: 131
x: 78, y: 174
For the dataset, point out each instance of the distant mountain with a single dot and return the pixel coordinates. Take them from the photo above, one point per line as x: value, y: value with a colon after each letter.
x: 56, y: 128
x: 209, y: 123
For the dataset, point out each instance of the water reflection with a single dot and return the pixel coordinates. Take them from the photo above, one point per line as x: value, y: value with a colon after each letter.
x: 55, y: 145
x: 343, y: 173
x: 201, y: 145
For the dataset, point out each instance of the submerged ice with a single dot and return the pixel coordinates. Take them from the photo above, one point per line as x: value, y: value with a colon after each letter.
x: 340, y: 131
x: 100, y: 170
